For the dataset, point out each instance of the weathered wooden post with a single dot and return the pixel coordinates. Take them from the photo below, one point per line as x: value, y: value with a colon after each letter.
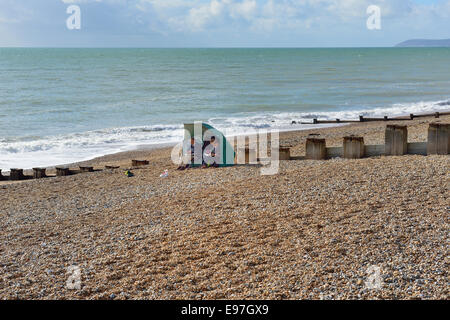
x: 16, y: 174
x: 39, y: 173
x: 62, y: 172
x: 396, y: 140
x: 353, y: 147
x: 137, y: 163
x: 438, y: 138
x: 111, y: 167
x: 284, y: 153
x: 246, y: 156
x: 86, y: 169
x: 316, y: 149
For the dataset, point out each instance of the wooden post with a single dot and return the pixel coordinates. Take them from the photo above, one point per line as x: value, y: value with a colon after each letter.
x: 16, y: 174
x: 353, y: 147
x: 61, y: 172
x: 112, y: 167
x: 396, y: 140
x: 137, y: 163
x: 316, y: 149
x: 39, y: 173
x: 438, y: 138
x: 284, y: 153
x: 250, y: 156
x: 86, y: 169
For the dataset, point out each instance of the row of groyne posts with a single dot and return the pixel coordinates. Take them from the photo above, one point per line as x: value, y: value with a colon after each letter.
x: 39, y: 173
x: 396, y: 144
x: 411, y: 116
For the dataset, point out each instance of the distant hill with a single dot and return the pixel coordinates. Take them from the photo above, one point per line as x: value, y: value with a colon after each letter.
x: 425, y: 43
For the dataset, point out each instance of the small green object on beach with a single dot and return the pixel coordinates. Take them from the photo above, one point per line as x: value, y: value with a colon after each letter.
x: 128, y: 173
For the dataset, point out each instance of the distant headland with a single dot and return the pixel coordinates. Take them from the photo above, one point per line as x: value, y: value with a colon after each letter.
x: 425, y: 43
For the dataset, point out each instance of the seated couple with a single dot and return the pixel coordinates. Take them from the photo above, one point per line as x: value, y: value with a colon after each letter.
x: 208, y: 158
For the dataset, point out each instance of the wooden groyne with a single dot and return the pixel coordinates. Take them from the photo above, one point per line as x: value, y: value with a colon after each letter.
x: 16, y: 174
x: 109, y: 167
x: 438, y: 138
x: 353, y: 147
x: 62, y: 172
x: 385, y: 118
x: 39, y: 173
x: 138, y: 163
x: 316, y: 149
x: 396, y: 144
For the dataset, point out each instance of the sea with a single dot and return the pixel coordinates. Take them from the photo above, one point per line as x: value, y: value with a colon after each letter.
x: 59, y: 106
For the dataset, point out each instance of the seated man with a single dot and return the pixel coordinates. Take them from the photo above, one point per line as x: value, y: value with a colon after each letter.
x: 211, y: 150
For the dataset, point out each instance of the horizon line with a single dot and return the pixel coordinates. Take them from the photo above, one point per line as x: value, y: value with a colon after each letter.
x: 199, y: 47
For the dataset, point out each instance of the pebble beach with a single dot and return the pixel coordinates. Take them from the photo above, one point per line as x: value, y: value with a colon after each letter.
x: 316, y: 230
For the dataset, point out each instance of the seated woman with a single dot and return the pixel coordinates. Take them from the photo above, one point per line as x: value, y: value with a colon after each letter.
x: 211, y: 149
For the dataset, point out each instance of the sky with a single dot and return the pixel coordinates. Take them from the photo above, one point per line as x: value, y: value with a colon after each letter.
x: 220, y: 23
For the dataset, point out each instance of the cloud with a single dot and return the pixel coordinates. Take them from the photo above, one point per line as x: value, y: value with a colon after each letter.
x: 233, y: 21
x: 198, y: 16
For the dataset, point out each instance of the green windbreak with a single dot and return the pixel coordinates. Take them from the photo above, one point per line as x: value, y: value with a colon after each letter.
x: 227, y: 152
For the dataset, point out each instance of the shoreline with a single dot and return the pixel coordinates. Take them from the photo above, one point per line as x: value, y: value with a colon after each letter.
x: 163, y: 145
x: 123, y: 158
x: 141, y: 147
